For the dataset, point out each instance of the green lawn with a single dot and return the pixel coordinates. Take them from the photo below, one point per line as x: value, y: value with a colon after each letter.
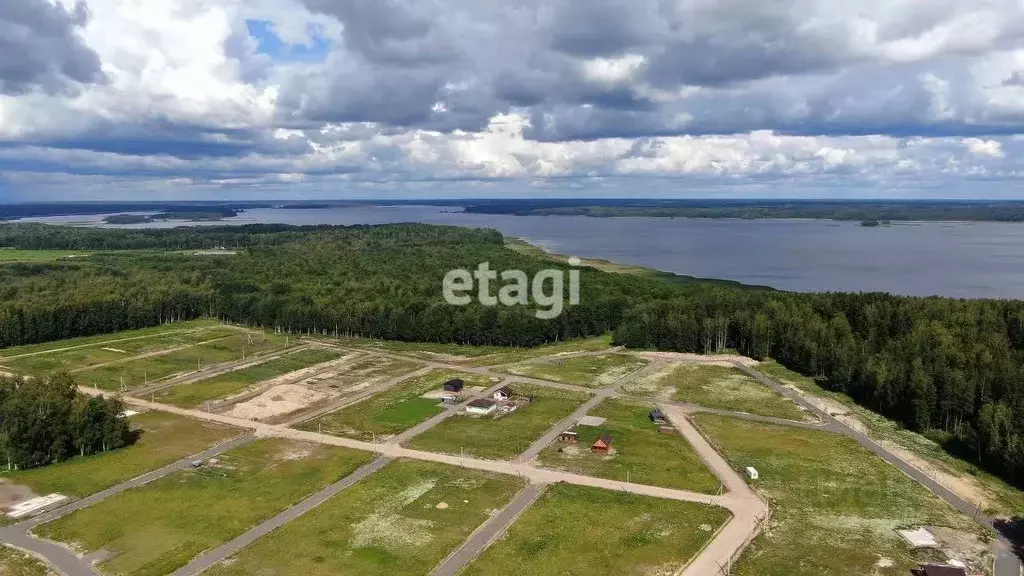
x: 479, y: 355
x: 837, y: 506
x: 160, y: 527
x: 592, y: 371
x: 389, y: 523
x: 136, y: 373
x: 1000, y: 498
x: 14, y: 562
x: 642, y: 454
x: 15, y: 255
x: 80, y: 358
x: 165, y: 438
x: 392, y: 411
x: 101, y: 339
x: 717, y: 387
x: 196, y: 393
x: 503, y: 437
x: 581, y: 531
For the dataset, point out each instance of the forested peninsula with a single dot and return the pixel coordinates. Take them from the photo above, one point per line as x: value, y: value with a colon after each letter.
x: 953, y: 369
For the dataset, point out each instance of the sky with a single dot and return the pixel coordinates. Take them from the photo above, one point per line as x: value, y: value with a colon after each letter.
x: 261, y: 99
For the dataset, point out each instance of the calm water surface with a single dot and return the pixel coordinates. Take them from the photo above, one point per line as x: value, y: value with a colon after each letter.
x: 970, y: 260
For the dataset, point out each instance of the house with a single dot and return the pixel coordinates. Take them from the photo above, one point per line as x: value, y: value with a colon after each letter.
x: 603, y: 444
x: 568, y: 436
x: 502, y: 394
x: 481, y: 406
x: 454, y: 385
x: 657, y: 416
x: 938, y: 570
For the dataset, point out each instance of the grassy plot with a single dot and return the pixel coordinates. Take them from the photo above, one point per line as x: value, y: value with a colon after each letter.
x: 640, y: 452
x: 998, y: 498
x: 722, y: 387
x: 16, y: 255
x: 479, y: 355
x: 102, y: 339
x: 164, y: 438
x: 136, y: 373
x: 837, y: 506
x: 160, y: 527
x: 402, y: 521
x: 501, y: 437
x: 582, y: 531
x: 80, y: 358
x: 196, y: 393
x: 392, y: 411
x: 592, y: 371
x: 14, y: 562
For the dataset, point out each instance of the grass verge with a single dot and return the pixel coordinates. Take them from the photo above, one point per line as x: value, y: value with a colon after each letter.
x: 14, y: 562
x: 591, y: 371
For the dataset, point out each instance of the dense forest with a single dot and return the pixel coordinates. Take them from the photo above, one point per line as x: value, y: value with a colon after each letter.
x: 953, y: 369
x: 47, y: 421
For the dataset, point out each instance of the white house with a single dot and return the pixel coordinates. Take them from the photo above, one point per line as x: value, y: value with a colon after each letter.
x: 503, y: 394
x: 481, y: 406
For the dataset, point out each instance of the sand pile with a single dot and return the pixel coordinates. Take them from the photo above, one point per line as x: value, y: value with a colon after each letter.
x: 276, y: 401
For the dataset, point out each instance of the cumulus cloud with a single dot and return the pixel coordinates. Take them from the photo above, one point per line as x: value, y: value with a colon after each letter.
x: 529, y: 91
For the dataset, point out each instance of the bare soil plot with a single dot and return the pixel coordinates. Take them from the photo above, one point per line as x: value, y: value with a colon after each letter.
x: 501, y: 436
x: 392, y: 411
x: 837, y: 506
x: 160, y: 527
x: 582, y: 531
x: 402, y: 521
x: 639, y: 453
x: 163, y: 439
x: 592, y: 371
x: 135, y: 373
x: 723, y: 387
x: 14, y: 562
x: 229, y: 384
x: 357, y: 373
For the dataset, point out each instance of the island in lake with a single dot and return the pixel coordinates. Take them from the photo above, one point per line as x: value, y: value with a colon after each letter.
x: 189, y: 216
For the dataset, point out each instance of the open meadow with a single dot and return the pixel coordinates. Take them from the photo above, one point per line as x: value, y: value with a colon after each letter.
x: 837, y: 506
x: 598, y: 371
x: 640, y: 453
x: 501, y: 437
x: 469, y: 355
x: 155, y: 529
x: 392, y: 411
x: 401, y: 521
x: 582, y: 531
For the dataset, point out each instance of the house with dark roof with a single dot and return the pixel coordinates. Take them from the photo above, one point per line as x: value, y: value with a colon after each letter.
x: 454, y: 385
x: 482, y: 406
x: 502, y: 394
x: 603, y: 444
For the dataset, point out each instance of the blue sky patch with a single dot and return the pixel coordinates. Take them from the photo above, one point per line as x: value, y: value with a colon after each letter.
x: 271, y: 45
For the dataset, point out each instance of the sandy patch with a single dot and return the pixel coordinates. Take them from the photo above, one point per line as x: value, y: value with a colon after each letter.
x: 11, y: 494
x: 276, y: 401
x: 119, y: 351
x: 612, y: 376
x: 836, y: 409
x: 651, y: 383
x: 963, y: 486
x: 689, y: 358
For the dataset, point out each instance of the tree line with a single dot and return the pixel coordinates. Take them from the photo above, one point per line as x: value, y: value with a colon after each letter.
x: 953, y: 369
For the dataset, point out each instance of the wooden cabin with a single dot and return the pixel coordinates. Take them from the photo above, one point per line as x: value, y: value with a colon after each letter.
x: 603, y: 444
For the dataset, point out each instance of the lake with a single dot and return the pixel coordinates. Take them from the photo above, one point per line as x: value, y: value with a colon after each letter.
x: 968, y: 260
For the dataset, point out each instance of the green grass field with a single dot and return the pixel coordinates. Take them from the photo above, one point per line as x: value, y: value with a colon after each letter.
x: 135, y: 373
x: 582, y: 531
x: 82, y: 358
x: 165, y: 438
x: 837, y: 506
x: 392, y: 411
x: 717, y: 387
x: 479, y: 355
x: 507, y: 436
x: 101, y: 339
x: 160, y: 527
x: 225, y: 385
x: 642, y: 454
x: 14, y: 562
x: 389, y: 523
x: 14, y: 255
x: 591, y: 371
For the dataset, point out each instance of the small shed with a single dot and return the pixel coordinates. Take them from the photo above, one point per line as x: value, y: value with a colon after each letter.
x: 603, y: 444
x: 482, y: 406
x: 939, y: 570
x: 657, y: 416
x: 454, y: 385
x: 569, y: 436
x: 451, y: 399
x: 752, y: 473
x: 502, y: 394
